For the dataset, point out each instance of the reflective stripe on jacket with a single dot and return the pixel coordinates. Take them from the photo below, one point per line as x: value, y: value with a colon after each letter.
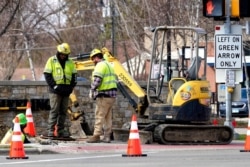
x: 60, y: 75
x: 105, y: 71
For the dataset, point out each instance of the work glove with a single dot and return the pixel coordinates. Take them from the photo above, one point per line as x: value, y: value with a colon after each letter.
x: 91, y: 94
x: 56, y: 89
x: 67, y: 90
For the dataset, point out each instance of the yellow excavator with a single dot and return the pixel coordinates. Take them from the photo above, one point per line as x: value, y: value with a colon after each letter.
x: 183, y: 117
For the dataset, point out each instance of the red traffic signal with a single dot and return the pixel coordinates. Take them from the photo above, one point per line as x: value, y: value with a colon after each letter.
x: 213, y: 8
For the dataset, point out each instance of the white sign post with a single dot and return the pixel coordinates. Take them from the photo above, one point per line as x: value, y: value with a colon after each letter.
x: 228, y: 51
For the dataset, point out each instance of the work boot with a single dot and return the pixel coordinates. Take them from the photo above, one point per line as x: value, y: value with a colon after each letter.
x: 94, y: 139
x: 63, y: 134
x: 106, y: 140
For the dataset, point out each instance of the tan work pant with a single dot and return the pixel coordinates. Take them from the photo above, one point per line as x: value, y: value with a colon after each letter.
x: 103, y: 116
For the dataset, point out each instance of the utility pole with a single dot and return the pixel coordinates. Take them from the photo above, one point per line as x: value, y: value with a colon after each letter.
x: 113, y: 26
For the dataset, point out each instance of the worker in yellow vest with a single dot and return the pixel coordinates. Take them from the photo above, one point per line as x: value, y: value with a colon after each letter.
x: 104, y: 91
x: 8, y: 136
x: 60, y: 74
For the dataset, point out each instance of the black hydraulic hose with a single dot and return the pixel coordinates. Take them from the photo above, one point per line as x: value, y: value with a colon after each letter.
x: 162, y: 80
x: 81, y: 56
x: 126, y: 95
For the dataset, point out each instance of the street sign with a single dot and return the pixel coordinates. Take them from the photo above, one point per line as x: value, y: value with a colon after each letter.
x: 228, y: 51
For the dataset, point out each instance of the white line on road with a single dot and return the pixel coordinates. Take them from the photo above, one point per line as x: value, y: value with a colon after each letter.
x: 52, y: 160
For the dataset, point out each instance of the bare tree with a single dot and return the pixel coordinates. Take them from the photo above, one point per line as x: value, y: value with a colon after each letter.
x: 135, y: 16
x: 8, y: 11
x: 31, y: 34
x: 42, y: 24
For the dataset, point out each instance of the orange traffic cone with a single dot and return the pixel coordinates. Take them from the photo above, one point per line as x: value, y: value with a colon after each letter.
x: 247, y: 140
x: 16, y: 145
x: 134, y: 144
x: 30, y: 128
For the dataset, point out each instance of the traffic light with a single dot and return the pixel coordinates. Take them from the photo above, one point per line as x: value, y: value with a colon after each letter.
x: 213, y: 8
x: 216, y: 9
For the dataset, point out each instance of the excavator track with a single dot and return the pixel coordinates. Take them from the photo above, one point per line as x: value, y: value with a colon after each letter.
x: 193, y: 134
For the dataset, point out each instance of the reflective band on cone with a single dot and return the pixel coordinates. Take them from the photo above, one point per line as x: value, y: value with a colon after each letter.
x: 30, y: 128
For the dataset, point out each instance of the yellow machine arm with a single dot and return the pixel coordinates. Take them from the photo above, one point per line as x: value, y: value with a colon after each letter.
x: 73, y: 109
x: 84, y: 65
x: 124, y: 75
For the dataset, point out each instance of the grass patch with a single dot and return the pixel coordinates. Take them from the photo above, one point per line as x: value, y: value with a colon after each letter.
x: 241, y: 124
x: 242, y: 137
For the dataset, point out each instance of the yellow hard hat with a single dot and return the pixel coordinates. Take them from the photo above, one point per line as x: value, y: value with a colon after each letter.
x: 95, y: 52
x: 63, y: 48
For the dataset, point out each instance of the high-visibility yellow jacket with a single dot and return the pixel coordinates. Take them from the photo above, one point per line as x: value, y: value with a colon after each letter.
x: 105, y: 71
x: 60, y: 75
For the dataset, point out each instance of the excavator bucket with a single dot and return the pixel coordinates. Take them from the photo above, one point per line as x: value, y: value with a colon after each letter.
x: 76, y: 117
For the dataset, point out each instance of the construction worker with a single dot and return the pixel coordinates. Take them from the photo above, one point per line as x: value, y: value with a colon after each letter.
x: 104, y: 91
x: 60, y: 74
x: 23, y: 122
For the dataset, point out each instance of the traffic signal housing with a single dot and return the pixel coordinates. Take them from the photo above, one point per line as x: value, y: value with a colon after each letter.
x: 213, y: 8
x: 235, y: 8
x: 240, y: 8
x: 216, y: 9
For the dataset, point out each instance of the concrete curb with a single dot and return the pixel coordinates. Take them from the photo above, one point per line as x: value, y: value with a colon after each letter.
x: 73, y: 148
x: 29, y: 151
